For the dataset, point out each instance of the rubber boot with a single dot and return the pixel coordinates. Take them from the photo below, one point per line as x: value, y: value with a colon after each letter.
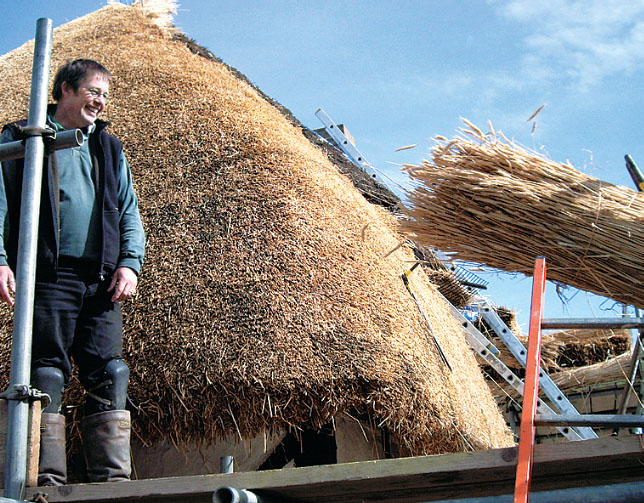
x: 52, y: 469
x: 106, y: 445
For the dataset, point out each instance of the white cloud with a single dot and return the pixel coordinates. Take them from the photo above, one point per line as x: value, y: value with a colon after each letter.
x: 580, y: 42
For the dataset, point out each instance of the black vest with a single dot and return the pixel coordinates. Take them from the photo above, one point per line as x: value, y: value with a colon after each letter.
x: 106, y: 154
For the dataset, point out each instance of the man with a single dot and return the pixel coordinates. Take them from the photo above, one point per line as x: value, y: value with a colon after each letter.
x: 90, y: 252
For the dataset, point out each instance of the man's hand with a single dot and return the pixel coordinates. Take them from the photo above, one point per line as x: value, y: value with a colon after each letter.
x: 123, y: 283
x: 7, y: 284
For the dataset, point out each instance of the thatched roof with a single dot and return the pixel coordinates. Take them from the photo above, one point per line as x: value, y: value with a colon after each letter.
x: 493, y: 202
x: 271, y: 297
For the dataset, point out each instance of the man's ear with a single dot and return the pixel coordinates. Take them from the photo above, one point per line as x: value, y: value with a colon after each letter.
x: 67, y: 88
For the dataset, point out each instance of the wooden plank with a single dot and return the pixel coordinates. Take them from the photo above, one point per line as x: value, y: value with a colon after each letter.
x: 427, y: 478
x: 33, y: 442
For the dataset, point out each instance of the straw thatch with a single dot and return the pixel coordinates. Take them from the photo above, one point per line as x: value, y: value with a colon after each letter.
x: 443, y: 279
x: 613, y: 370
x: 583, y: 347
x: 271, y: 297
x: 494, y: 202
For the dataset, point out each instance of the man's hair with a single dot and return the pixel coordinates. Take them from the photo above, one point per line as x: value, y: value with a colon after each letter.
x: 74, y: 72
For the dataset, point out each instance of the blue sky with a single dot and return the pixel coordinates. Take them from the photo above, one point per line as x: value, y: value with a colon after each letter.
x: 398, y: 73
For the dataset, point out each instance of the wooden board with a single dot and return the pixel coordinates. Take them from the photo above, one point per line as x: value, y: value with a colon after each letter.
x: 429, y: 478
x: 33, y: 442
x: 356, y: 441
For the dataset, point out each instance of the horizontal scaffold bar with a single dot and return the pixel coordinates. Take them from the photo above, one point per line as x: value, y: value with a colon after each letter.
x: 593, y: 420
x: 591, y: 323
x: 64, y: 139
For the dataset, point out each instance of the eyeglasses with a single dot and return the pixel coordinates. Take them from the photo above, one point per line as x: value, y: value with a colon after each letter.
x: 96, y: 93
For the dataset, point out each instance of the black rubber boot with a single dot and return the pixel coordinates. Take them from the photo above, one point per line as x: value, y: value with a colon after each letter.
x: 106, y: 444
x: 52, y: 469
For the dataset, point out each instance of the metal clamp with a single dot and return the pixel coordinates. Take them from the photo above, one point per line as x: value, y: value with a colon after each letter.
x: 24, y: 393
x: 35, y: 130
x: 226, y: 494
x: 40, y: 497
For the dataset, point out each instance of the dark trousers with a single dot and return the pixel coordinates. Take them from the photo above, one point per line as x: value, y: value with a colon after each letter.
x: 74, y: 317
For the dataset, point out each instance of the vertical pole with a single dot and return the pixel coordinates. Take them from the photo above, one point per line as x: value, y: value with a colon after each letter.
x: 531, y: 386
x: 17, y: 428
x: 634, y: 365
x: 226, y: 464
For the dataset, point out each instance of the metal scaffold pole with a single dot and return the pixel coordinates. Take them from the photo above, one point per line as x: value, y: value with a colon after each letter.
x: 18, y: 415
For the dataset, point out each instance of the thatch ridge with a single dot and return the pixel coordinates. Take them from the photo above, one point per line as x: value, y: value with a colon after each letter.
x: 269, y: 298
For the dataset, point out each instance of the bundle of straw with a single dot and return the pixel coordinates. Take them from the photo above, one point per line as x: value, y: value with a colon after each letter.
x: 442, y: 278
x: 583, y: 347
x: 493, y: 202
x: 571, y: 348
x: 612, y: 371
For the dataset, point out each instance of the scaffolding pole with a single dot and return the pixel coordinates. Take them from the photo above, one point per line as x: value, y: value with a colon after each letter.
x: 18, y: 408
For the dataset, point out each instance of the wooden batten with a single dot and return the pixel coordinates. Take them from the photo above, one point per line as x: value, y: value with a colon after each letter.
x: 33, y: 442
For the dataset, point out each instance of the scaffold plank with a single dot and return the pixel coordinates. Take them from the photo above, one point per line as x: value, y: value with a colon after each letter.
x: 428, y: 478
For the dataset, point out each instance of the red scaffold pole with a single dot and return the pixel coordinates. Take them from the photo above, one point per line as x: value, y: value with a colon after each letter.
x: 531, y: 386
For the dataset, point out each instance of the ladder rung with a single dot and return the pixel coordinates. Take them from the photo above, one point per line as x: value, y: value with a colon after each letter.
x: 592, y: 323
x: 593, y: 420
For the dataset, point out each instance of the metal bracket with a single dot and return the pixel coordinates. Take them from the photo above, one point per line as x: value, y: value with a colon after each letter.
x: 226, y: 494
x: 25, y: 393
x: 347, y: 147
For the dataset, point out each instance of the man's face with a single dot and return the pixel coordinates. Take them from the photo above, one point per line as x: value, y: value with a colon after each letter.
x: 77, y: 109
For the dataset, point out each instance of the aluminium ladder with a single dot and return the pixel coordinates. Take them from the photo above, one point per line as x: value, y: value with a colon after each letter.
x: 346, y: 146
x: 518, y: 350
x: 488, y: 352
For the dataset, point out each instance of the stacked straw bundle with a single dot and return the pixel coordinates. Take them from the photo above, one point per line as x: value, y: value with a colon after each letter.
x: 443, y: 279
x: 582, y: 347
x: 571, y: 348
x: 613, y: 371
x: 271, y: 298
x: 493, y: 202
